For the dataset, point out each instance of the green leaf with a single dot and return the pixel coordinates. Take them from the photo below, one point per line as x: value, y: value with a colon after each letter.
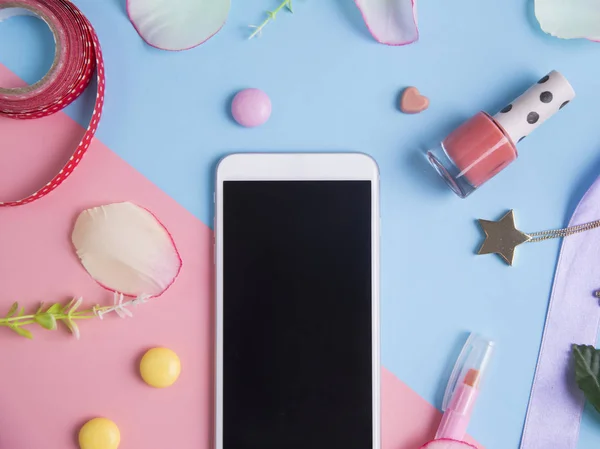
x: 12, y: 310
x: 289, y: 6
x: 46, y: 320
x: 40, y: 308
x: 587, y: 372
x: 72, y: 326
x: 75, y: 305
x: 66, y: 308
x: 22, y: 332
x: 22, y: 311
x: 55, y: 309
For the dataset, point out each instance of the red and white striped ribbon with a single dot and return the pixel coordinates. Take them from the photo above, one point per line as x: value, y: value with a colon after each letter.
x: 77, y: 54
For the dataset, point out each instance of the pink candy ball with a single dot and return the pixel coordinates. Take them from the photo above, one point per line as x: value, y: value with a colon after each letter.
x: 251, y: 107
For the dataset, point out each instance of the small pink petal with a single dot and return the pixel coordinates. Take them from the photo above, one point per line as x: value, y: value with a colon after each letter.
x: 391, y: 22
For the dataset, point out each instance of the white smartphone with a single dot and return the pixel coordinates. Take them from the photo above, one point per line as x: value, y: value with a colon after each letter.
x: 297, y: 285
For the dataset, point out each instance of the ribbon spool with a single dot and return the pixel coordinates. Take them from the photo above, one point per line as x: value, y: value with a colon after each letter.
x: 77, y: 54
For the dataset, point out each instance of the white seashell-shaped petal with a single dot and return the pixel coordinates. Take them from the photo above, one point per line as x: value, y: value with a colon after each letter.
x: 126, y: 249
x: 569, y: 19
x: 177, y: 24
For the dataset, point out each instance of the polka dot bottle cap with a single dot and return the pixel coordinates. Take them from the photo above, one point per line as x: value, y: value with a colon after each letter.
x: 540, y: 102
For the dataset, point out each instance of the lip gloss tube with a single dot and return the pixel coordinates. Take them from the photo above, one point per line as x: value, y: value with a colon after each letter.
x: 463, y: 388
x: 484, y: 145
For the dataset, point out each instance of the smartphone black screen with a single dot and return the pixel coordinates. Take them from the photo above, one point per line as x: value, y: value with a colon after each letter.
x: 297, y: 332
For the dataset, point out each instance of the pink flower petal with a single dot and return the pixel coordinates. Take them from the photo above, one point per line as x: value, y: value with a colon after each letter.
x: 391, y: 22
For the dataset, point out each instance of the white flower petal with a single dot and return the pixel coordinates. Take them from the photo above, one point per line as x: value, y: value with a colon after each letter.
x: 126, y: 249
x: 391, y: 22
x: 569, y: 19
x: 447, y: 444
x: 177, y: 24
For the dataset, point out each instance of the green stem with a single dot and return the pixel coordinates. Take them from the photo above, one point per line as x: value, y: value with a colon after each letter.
x: 47, y: 316
x: 30, y: 319
x: 271, y: 16
x: 280, y: 7
x: 16, y: 318
x: 24, y: 323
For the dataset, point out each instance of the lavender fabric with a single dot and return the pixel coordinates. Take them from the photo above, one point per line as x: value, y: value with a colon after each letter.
x: 556, y: 404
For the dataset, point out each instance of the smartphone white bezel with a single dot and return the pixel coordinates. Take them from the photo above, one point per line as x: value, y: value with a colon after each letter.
x: 296, y: 166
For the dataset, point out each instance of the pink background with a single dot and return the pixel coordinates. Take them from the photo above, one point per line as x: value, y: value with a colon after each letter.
x: 51, y: 385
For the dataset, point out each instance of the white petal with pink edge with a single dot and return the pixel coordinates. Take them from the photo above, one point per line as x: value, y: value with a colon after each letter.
x: 569, y: 19
x: 126, y: 249
x: 447, y: 444
x: 177, y: 24
x: 391, y: 22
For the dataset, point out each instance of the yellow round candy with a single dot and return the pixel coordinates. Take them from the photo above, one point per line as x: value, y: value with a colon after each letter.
x: 99, y: 433
x: 160, y: 367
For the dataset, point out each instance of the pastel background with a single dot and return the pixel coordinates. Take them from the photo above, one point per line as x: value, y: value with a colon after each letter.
x: 333, y: 88
x: 51, y: 386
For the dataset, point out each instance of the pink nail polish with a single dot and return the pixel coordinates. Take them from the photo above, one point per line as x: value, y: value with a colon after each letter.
x: 484, y: 145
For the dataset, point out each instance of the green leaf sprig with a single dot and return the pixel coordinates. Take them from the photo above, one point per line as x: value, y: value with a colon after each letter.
x: 47, y: 317
x: 271, y: 15
x: 587, y: 372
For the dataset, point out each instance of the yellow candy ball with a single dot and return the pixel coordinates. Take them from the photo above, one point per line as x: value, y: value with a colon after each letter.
x: 160, y: 367
x: 99, y: 433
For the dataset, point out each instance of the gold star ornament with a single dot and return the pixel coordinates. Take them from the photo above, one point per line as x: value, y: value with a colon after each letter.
x: 502, y: 237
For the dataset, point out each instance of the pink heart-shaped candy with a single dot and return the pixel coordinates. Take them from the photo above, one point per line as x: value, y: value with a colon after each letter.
x: 412, y: 102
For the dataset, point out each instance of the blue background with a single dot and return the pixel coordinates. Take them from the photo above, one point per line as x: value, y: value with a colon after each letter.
x: 334, y: 88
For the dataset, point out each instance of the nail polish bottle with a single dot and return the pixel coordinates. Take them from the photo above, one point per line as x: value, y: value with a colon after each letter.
x: 484, y: 145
